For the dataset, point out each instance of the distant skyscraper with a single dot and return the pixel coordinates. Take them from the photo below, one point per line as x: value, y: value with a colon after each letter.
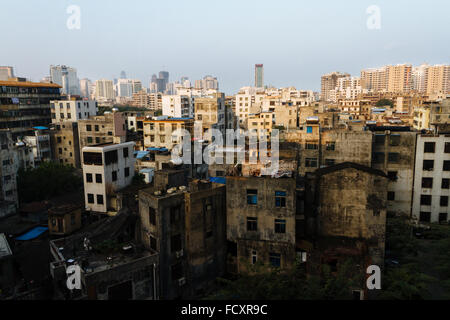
x: 67, y: 78
x: 85, y: 87
x: 6, y: 73
x: 104, y: 90
x: 123, y: 75
x: 259, y: 75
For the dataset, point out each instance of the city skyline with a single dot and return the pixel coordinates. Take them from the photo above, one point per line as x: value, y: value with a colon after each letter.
x: 226, y: 51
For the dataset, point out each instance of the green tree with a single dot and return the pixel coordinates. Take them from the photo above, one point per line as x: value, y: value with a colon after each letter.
x: 385, y: 102
x: 50, y: 179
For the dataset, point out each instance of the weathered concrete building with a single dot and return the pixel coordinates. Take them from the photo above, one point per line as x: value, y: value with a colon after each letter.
x: 24, y: 105
x: 261, y: 221
x: 164, y: 132
x: 394, y: 153
x: 102, y: 129
x: 350, y: 203
x: 186, y: 225
x: 65, y: 143
x: 64, y: 220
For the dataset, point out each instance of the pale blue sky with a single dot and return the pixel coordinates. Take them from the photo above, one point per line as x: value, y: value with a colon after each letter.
x: 296, y: 40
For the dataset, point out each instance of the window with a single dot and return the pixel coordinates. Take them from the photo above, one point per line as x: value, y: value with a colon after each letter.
x: 96, y: 127
x: 72, y: 219
x: 394, y: 140
x: 254, y: 257
x: 280, y: 226
x: 98, y: 178
x: 60, y: 150
x: 331, y: 146
x: 312, y: 146
x: 429, y: 147
x: 88, y: 127
x: 311, y: 162
x: 92, y: 158
x: 89, y: 140
x: 114, y: 176
x: 446, y: 165
x: 427, y: 183
x: 425, y: 200
x: 99, y: 199
x: 392, y: 175
x: 275, y: 259
x: 280, y: 199
x: 425, y: 216
x: 444, y: 201
x: 252, y: 224
x: 428, y: 165
x: 445, y: 184
x: 97, y: 139
x: 330, y: 162
x: 152, y: 243
x: 90, y: 198
x: 175, y: 243
x: 161, y: 127
x: 125, y: 152
x: 393, y: 157
x: 59, y: 139
x: 252, y: 196
x: 177, y: 271
x: 152, y: 216
x: 379, y: 139
x: 391, y: 196
x: 447, y: 147
x: 443, y: 217
x: 88, y: 177
x: 111, y: 157
x: 378, y: 157
x: 127, y: 172
x: 309, y: 129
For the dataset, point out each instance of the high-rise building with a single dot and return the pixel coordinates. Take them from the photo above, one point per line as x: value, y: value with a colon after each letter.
x: 374, y: 79
x: 67, y: 78
x: 123, y: 75
x: 6, y: 73
x: 85, y: 87
x: 259, y: 75
x: 104, y: 90
x: 399, y: 78
x: 329, y: 82
x: 438, y: 79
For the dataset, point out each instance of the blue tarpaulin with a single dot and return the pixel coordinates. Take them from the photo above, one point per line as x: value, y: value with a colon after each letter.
x: 221, y: 180
x: 32, y: 234
x: 40, y: 128
x: 142, y: 154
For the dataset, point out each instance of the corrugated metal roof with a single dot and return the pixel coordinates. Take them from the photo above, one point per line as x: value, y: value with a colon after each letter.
x: 29, y: 84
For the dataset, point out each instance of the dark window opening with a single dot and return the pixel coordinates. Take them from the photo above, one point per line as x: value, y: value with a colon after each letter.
x: 252, y: 224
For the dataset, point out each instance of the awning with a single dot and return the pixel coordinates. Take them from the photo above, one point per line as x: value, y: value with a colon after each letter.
x: 32, y: 234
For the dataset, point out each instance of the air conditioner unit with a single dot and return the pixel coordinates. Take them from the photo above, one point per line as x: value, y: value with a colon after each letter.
x: 179, y: 254
x: 181, y: 282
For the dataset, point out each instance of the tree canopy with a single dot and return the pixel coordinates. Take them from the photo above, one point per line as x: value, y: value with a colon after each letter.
x: 48, y: 180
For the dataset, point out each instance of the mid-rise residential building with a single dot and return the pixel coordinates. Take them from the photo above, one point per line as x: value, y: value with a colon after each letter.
x: 24, y: 105
x: 185, y: 222
x: 65, y: 143
x: 261, y: 221
x: 40, y: 143
x: 107, y: 168
x: 261, y: 124
x: 432, y: 178
x: 161, y: 132
x: 177, y: 106
x: 393, y: 152
x: 107, y: 128
x: 72, y: 109
x: 210, y: 112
